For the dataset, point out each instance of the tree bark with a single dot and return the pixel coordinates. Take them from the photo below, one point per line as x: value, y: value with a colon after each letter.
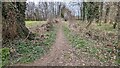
x: 118, y: 21
x: 83, y: 11
x: 13, y: 20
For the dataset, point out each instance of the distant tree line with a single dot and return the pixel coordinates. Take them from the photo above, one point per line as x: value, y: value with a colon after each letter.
x: 15, y: 13
x: 42, y: 10
x: 100, y: 12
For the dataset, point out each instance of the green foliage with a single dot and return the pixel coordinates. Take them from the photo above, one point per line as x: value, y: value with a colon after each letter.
x: 93, y: 50
x: 75, y: 39
x: 82, y: 44
x: 50, y: 39
x: 0, y: 63
x: 118, y: 60
x: 5, y: 55
x: 29, y: 52
x: 104, y: 54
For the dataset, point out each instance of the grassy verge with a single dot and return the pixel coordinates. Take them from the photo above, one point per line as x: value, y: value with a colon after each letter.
x: 76, y: 41
x: 105, y: 27
x: 34, y: 23
x: 89, y: 47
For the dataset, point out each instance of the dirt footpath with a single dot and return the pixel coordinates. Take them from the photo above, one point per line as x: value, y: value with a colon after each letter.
x: 62, y: 54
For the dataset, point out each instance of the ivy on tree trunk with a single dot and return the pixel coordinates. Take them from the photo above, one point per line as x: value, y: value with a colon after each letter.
x: 13, y: 20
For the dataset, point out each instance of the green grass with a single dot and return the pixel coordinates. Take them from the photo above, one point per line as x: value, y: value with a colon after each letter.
x: 78, y: 42
x: 87, y: 46
x: 51, y: 38
x: 4, y: 54
x: 106, y: 27
x: 30, y: 51
x: 74, y: 39
x: 34, y: 23
x: 118, y: 60
x: 0, y: 58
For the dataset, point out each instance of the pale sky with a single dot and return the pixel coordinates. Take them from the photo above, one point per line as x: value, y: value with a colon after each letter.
x: 73, y: 9
x: 36, y: 1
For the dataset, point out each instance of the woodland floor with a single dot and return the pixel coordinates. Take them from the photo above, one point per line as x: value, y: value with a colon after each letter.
x: 63, y: 54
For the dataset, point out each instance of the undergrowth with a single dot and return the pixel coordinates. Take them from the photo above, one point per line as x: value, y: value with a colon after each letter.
x: 28, y: 51
x: 88, y: 46
x: 4, y: 54
x: 78, y: 42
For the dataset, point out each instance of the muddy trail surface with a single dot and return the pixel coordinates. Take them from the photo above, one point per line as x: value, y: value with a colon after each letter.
x: 63, y: 54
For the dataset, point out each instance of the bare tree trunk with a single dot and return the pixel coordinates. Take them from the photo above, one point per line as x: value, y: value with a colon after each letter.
x: 101, y: 11
x: 59, y: 9
x: 107, y: 13
x: 83, y: 11
x: 118, y: 21
x: 89, y: 23
x: 13, y: 21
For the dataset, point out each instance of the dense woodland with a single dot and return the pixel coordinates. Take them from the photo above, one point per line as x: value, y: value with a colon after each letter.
x: 18, y: 37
